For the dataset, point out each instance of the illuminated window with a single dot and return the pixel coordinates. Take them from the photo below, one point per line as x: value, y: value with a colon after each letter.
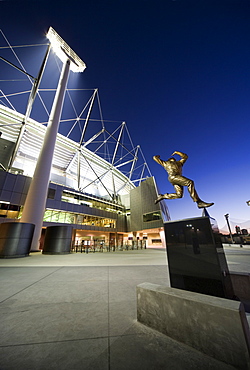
x: 8, y: 210
x: 153, y: 216
x: 90, y: 201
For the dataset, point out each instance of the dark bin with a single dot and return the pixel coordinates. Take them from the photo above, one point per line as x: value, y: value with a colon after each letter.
x: 15, y: 239
x: 58, y: 240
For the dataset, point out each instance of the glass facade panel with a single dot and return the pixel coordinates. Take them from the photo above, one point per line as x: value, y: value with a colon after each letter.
x: 47, y: 215
x: 79, y: 219
x: 51, y: 193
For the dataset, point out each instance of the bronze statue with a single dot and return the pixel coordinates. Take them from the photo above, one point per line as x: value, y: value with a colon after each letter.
x: 174, y: 170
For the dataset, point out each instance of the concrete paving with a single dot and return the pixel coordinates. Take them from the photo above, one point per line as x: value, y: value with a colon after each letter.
x: 78, y: 311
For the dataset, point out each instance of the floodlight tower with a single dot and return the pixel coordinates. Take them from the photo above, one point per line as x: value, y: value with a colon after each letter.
x: 35, y: 203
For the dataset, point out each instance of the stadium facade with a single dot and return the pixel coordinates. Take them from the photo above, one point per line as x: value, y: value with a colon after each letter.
x: 100, y: 183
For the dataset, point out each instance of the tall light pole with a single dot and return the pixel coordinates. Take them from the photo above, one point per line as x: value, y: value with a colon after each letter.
x: 229, y: 228
x: 35, y: 203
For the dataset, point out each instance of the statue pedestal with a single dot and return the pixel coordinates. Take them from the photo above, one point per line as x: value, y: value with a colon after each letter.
x: 196, y: 258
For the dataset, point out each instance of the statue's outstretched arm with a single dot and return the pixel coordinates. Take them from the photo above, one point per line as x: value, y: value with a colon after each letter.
x: 183, y: 156
x: 157, y: 159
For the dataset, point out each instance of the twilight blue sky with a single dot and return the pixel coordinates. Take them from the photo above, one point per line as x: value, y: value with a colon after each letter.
x: 177, y: 71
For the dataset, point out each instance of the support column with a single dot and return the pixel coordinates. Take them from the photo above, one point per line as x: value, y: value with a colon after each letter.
x: 35, y: 203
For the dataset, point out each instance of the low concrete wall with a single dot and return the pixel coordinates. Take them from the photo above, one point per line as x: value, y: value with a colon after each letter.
x: 215, y: 326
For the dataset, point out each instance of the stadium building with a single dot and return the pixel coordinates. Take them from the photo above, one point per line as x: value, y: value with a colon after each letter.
x: 100, y: 183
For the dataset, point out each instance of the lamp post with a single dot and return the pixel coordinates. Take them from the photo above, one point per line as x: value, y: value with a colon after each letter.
x: 248, y: 202
x: 35, y: 203
x: 229, y: 228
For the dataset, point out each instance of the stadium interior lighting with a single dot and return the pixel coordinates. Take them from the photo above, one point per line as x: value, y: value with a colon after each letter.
x: 64, y: 52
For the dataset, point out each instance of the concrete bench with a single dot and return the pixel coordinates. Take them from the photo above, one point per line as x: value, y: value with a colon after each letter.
x: 215, y: 326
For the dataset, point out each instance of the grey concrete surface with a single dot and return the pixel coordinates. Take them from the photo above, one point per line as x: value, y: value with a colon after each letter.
x: 79, y: 312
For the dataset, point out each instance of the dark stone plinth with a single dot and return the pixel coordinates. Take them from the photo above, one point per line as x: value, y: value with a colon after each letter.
x: 57, y: 240
x: 15, y: 239
x: 196, y: 258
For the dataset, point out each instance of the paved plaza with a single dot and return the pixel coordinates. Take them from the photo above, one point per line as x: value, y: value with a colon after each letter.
x: 78, y: 311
